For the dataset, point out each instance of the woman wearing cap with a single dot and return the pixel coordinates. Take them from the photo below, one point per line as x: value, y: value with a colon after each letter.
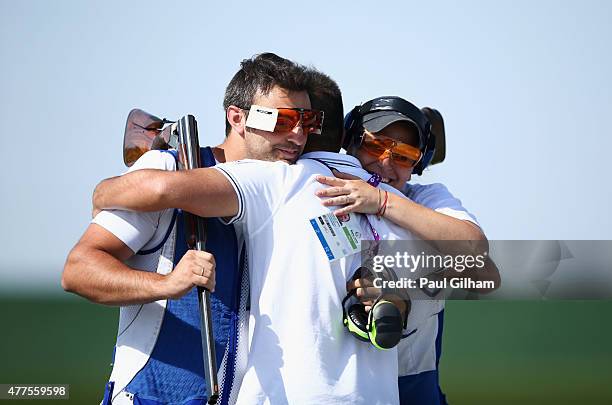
x: 391, y: 138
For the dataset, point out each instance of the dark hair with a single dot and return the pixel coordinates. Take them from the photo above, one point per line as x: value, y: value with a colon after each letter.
x: 325, y: 95
x: 260, y: 74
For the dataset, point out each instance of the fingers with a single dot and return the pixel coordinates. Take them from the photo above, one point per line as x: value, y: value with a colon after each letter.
x: 332, y: 191
x: 349, y: 203
x: 342, y: 200
x: 206, y: 280
x: 364, y: 290
x: 330, y: 181
x: 359, y: 283
x: 351, y: 196
x: 203, y: 258
x: 202, y: 268
x: 345, y: 210
x: 196, y: 268
x: 365, y: 294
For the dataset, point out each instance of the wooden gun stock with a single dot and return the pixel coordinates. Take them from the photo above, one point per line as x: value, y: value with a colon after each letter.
x: 144, y: 132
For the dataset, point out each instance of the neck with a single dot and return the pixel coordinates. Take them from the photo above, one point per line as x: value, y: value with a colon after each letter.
x: 231, y: 149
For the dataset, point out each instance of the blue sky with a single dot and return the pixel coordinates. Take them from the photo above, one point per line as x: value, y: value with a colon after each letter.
x: 524, y: 87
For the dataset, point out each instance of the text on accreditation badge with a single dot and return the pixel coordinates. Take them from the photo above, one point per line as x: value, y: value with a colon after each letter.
x: 339, y: 236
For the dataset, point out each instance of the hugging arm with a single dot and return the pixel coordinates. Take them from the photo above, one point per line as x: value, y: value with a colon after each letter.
x: 355, y: 195
x: 204, y: 192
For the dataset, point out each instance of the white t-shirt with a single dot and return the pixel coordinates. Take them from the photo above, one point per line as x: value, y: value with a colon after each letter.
x: 417, y: 352
x: 300, y: 351
x: 437, y: 197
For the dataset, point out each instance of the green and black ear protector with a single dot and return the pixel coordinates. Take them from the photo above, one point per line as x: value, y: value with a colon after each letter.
x: 383, y: 325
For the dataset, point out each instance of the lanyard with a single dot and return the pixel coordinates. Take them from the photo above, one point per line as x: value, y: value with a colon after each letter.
x: 374, y: 181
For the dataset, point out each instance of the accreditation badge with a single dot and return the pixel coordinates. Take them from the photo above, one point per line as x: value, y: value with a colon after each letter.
x: 339, y: 236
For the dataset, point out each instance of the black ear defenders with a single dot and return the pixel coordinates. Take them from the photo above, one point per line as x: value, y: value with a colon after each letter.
x: 437, y: 129
x: 383, y: 325
x: 354, y: 120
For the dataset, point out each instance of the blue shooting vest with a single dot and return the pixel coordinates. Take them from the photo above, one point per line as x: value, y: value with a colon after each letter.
x: 174, y: 373
x: 424, y: 388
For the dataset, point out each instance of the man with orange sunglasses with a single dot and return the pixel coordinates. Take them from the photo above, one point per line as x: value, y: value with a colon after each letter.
x: 300, y: 352
x: 139, y: 262
x: 252, y: 118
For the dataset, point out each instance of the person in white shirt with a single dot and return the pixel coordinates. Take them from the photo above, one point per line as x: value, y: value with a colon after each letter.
x: 300, y: 352
x: 139, y: 261
x: 391, y: 137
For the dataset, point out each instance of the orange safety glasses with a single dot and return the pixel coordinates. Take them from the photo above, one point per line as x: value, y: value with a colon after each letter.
x: 289, y: 118
x: 381, y: 147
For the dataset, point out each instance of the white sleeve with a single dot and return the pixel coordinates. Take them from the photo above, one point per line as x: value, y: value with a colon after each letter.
x: 137, y: 229
x: 437, y: 197
x: 259, y: 186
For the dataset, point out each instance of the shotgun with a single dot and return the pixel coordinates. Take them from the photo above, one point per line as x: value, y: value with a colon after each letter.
x: 144, y: 132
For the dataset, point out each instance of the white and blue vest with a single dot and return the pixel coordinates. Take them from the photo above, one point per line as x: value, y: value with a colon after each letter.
x: 158, y: 356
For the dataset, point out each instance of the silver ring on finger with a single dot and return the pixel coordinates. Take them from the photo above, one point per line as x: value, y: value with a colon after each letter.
x: 202, y: 272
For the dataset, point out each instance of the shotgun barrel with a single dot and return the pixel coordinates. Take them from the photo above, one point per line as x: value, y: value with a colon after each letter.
x: 189, y: 158
x: 145, y: 132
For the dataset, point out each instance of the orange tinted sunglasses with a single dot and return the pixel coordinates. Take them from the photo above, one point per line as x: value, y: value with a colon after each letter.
x: 403, y: 154
x: 289, y: 118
